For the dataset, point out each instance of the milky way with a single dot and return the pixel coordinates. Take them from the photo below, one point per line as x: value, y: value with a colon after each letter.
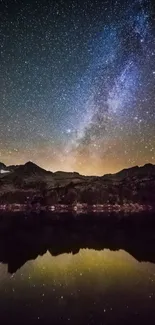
x: 77, y: 84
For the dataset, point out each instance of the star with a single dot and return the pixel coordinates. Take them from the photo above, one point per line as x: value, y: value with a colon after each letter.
x: 77, y: 90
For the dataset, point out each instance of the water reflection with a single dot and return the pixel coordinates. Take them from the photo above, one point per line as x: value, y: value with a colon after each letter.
x: 19, y: 246
x: 77, y: 276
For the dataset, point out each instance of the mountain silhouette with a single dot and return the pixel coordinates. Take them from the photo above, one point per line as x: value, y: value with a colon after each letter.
x: 131, y: 185
x: 32, y: 168
x: 22, y: 246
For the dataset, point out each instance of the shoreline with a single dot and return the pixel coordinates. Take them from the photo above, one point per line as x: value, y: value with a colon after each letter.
x: 79, y: 208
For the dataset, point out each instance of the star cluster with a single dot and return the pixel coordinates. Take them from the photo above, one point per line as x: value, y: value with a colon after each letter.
x: 77, y: 84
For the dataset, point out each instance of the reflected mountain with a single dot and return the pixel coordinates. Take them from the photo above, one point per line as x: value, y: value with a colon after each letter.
x: 19, y: 246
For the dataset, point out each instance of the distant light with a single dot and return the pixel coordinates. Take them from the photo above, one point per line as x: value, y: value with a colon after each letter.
x: 4, y: 171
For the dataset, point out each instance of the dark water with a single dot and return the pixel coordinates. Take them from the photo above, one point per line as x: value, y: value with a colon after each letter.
x: 77, y: 275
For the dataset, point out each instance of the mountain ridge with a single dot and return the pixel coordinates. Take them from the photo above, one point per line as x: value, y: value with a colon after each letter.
x: 131, y: 185
x: 30, y: 166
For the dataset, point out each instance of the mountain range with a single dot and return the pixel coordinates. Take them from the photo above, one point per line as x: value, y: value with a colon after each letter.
x: 135, y: 184
x: 31, y: 168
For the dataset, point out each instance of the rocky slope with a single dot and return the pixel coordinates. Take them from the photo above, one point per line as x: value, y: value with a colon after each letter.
x: 136, y: 184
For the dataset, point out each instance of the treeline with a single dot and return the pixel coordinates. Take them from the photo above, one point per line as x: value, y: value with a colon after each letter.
x: 119, y: 194
x: 142, y: 192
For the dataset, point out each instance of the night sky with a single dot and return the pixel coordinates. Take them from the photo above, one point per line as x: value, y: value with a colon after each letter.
x: 77, y: 84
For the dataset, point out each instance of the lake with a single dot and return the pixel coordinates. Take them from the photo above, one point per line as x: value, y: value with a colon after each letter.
x: 77, y: 276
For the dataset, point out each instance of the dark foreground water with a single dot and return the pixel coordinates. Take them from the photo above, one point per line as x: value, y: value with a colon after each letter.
x: 77, y: 275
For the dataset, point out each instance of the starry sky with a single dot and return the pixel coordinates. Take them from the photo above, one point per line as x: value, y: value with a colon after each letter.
x: 77, y: 84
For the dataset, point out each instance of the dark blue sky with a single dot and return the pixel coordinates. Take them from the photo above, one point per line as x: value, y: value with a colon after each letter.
x: 77, y: 84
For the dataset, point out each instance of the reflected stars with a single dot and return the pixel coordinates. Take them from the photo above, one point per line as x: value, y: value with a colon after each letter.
x: 105, y: 276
